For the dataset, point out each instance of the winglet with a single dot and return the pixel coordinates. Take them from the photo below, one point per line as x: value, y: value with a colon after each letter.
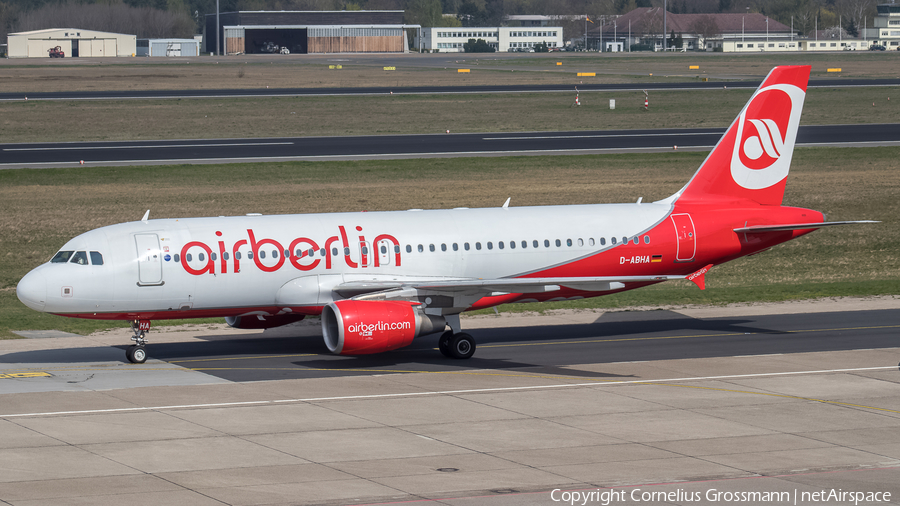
x: 506, y: 204
x: 146, y: 216
x: 699, y: 277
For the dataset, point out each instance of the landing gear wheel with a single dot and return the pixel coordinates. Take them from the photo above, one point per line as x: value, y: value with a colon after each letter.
x: 444, y: 343
x: 136, y: 354
x: 461, y: 346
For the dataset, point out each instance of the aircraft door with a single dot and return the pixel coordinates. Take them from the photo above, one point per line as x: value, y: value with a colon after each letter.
x: 149, y: 261
x: 685, y: 237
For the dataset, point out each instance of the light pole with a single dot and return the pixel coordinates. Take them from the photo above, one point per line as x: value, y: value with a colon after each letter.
x: 665, y: 26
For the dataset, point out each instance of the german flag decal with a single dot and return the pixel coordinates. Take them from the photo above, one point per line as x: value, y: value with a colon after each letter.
x: 655, y: 259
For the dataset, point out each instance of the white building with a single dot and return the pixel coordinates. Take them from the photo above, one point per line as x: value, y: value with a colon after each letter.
x: 74, y: 42
x: 504, y: 38
x: 886, y: 31
x: 168, y: 47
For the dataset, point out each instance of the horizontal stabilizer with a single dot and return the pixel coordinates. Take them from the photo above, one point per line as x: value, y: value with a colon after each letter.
x: 798, y: 226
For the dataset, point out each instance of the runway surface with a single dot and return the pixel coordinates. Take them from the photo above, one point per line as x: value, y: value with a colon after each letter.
x: 422, y: 90
x: 409, y: 146
x: 711, y: 401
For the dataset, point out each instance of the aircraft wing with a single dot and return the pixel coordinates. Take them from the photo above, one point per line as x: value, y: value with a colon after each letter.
x: 388, y: 290
x: 797, y: 226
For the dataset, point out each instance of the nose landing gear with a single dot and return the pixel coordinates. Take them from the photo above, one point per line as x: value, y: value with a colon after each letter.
x: 136, y: 354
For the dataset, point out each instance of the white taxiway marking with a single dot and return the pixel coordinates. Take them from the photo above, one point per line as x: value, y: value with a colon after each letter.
x: 213, y: 145
x: 441, y: 392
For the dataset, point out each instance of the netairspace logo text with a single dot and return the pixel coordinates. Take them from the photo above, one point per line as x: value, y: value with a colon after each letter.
x: 606, y: 497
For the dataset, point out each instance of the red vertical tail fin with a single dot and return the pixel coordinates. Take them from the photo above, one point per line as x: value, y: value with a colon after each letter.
x: 752, y: 160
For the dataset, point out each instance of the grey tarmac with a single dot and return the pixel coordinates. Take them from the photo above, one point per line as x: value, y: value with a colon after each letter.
x: 99, y: 431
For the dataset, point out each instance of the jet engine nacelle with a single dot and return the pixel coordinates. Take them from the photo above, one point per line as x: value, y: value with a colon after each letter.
x: 262, y: 322
x: 360, y: 327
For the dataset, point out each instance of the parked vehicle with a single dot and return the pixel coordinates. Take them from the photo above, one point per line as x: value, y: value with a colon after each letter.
x: 56, y: 52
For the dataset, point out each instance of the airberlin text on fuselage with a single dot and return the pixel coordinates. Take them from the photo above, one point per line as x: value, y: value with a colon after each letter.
x: 219, y: 264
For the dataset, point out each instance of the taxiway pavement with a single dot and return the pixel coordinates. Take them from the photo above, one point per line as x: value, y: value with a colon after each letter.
x: 43, y: 155
x: 815, y: 407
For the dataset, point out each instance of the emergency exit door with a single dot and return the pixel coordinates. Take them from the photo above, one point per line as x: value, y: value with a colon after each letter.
x: 685, y: 237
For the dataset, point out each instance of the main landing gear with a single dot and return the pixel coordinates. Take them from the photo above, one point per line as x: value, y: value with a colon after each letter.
x: 136, y: 354
x: 456, y: 345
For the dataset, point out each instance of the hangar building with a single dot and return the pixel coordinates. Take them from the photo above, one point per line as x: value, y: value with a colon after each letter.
x: 308, y: 32
x: 74, y: 42
x: 168, y: 47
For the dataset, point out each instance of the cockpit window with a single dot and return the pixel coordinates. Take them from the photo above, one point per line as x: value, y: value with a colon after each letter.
x: 80, y: 258
x: 61, y: 257
x: 96, y: 258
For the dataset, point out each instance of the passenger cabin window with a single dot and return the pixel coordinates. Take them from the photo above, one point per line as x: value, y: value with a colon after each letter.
x: 61, y: 257
x: 80, y: 258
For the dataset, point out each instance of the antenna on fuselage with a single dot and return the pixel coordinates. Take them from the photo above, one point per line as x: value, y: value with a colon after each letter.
x: 146, y: 216
x: 506, y: 204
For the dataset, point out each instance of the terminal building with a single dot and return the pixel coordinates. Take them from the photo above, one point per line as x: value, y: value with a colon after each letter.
x: 249, y: 32
x: 886, y: 27
x: 504, y: 38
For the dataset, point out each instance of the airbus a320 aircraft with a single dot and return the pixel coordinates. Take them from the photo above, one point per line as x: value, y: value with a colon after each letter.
x: 381, y: 279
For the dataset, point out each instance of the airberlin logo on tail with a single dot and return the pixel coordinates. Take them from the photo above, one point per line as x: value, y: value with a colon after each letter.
x: 767, y: 128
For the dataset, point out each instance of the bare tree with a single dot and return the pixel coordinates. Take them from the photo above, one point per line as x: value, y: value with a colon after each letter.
x: 855, y: 10
x: 118, y: 18
x: 653, y: 25
x: 706, y: 28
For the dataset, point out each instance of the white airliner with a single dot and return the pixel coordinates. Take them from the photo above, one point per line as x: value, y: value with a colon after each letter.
x: 381, y: 279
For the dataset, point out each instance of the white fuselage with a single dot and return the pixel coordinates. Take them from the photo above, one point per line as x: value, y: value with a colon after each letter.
x: 197, y: 265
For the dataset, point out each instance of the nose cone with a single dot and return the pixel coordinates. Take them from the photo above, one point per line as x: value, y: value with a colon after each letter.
x: 32, y: 290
